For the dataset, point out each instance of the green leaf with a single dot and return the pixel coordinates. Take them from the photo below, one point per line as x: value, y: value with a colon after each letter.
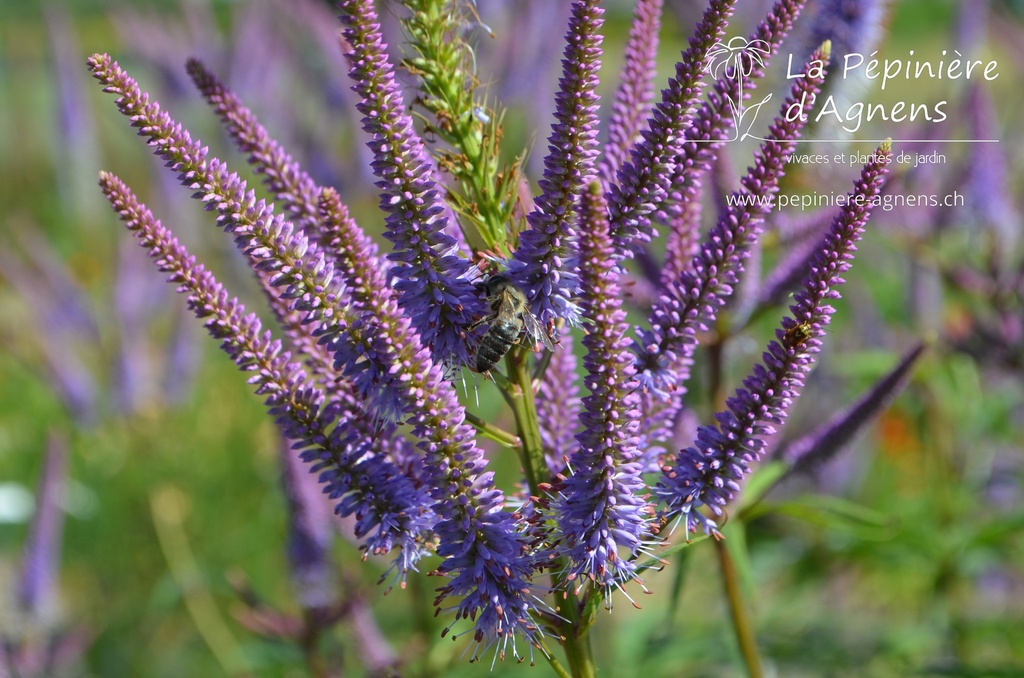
x: 996, y: 531
x: 838, y: 514
x: 735, y: 533
x: 760, y: 481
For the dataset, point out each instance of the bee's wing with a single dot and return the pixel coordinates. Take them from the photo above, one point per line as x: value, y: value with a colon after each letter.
x: 536, y: 332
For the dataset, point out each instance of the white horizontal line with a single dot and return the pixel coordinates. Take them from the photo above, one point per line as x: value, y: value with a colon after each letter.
x: 900, y: 141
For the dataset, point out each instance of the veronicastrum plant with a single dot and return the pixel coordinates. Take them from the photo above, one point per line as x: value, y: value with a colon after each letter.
x: 363, y: 377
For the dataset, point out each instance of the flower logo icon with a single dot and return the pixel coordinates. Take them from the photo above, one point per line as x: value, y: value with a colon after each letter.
x: 736, y: 60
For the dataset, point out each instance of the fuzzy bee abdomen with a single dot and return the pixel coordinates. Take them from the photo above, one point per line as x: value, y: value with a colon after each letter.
x: 499, y: 339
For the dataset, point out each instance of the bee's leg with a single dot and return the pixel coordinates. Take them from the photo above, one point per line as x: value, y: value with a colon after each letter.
x: 523, y: 342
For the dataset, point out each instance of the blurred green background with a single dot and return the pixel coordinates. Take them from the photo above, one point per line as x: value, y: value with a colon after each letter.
x: 905, y: 558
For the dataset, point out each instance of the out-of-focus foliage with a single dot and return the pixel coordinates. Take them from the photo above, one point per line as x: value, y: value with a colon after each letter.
x: 902, y: 555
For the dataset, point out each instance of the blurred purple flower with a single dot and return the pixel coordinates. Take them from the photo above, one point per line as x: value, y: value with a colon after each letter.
x: 635, y: 94
x: 558, y: 405
x: 36, y: 642
x: 820, y: 445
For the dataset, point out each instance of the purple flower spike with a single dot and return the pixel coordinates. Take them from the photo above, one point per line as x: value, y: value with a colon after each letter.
x: 709, y: 473
x: 309, y: 533
x: 484, y: 553
x: 292, y: 187
x: 824, y: 443
x: 601, y: 516
x: 558, y: 405
x: 37, y: 588
x: 643, y: 181
x: 390, y: 511
x: 545, y: 262
x: 435, y: 291
x: 35, y: 640
x: 64, y: 321
x: 689, y: 304
x: 362, y: 348
x: 635, y: 93
x: 283, y: 257
x: 852, y: 27
x: 682, y: 242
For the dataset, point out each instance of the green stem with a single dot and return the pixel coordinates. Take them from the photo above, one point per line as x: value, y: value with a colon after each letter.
x: 495, y: 433
x: 579, y: 652
x: 741, y: 622
x: 168, y: 507
x: 316, y: 664
x: 524, y: 408
x: 580, y: 655
x: 542, y: 366
x: 556, y: 665
x: 574, y: 630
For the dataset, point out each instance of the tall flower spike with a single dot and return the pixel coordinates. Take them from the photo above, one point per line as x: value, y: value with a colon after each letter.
x: 602, y: 518
x: 64, y: 323
x: 682, y: 242
x: 691, y: 302
x: 852, y: 27
x: 291, y: 186
x: 363, y: 350
x: 310, y: 532
x: 643, y: 181
x: 37, y: 586
x: 435, y: 291
x: 390, y: 511
x: 484, y: 554
x: 546, y: 260
x: 709, y: 473
x: 635, y: 93
x: 283, y: 257
x: 480, y: 186
x: 294, y: 187
x: 788, y: 272
x: 558, y: 405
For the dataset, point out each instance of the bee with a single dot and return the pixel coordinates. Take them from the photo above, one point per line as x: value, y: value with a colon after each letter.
x: 509, y: 320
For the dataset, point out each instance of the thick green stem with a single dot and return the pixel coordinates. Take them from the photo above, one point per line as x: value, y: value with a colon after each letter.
x: 524, y: 408
x: 741, y: 622
x: 579, y: 655
x: 574, y: 630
